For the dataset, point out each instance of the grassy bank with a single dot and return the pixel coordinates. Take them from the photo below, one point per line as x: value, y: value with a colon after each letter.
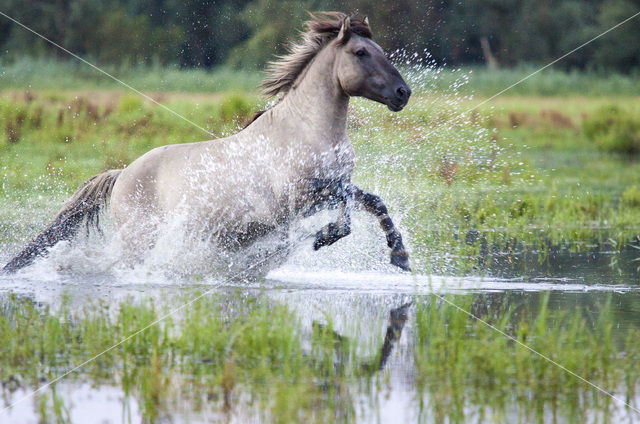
x: 520, y: 174
x: 551, y: 82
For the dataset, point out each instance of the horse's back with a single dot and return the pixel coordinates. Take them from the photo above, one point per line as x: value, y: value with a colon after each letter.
x: 222, y: 181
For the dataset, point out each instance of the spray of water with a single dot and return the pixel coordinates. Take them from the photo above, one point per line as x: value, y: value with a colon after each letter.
x: 411, y: 159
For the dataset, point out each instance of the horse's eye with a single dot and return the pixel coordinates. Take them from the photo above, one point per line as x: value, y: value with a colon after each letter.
x: 361, y: 53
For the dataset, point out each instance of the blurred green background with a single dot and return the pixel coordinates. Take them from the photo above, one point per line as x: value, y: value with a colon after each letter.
x: 246, y: 33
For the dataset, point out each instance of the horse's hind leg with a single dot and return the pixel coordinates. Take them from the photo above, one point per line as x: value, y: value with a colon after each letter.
x: 374, y: 205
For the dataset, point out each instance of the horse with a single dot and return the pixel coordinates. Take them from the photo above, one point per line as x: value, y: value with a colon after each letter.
x: 293, y: 160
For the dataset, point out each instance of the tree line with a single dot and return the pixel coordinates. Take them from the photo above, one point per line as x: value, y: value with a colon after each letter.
x: 247, y: 33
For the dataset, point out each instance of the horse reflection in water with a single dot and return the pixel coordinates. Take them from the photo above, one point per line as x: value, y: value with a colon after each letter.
x: 397, y: 319
x: 292, y: 160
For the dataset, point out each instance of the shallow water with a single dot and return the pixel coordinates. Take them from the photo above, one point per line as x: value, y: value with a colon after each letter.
x: 357, y: 301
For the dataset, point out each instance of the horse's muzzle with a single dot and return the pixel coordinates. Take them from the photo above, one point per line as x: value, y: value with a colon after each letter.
x: 400, y: 98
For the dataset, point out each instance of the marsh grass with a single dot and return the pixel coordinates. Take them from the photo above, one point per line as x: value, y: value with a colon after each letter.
x: 478, y: 187
x: 251, y: 355
x: 614, y: 130
x: 464, y: 368
x: 247, y: 354
x: 551, y: 82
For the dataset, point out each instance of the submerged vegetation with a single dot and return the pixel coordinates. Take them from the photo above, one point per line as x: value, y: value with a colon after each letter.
x: 244, y: 355
x: 214, y: 353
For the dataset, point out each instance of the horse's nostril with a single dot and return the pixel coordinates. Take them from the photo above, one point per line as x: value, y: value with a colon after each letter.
x: 403, y: 93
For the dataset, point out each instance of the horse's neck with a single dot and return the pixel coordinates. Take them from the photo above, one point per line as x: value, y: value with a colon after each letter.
x: 316, y: 107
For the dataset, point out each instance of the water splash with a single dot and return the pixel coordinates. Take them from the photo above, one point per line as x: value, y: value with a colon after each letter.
x: 411, y: 159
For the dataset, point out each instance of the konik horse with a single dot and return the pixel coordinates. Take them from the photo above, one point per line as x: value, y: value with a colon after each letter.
x: 292, y: 160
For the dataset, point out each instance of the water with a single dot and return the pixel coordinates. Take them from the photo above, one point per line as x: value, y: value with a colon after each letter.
x: 350, y: 283
x: 358, y: 302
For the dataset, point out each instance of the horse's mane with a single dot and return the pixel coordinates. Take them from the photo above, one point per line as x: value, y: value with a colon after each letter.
x: 319, y: 30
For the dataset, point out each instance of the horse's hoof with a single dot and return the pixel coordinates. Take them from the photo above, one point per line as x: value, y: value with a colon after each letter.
x: 401, y: 260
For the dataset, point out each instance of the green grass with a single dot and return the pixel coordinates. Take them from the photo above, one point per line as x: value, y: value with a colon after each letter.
x: 235, y: 348
x: 48, y: 73
x: 486, y: 82
x: 516, y: 175
x: 208, y: 351
x: 464, y: 364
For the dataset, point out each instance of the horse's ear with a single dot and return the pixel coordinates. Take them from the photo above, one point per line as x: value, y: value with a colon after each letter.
x: 345, y: 30
x: 366, y: 21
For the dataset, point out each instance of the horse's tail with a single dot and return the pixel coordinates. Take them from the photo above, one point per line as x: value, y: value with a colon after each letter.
x: 85, y: 203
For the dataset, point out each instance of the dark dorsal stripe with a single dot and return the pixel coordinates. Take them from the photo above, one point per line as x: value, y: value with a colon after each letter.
x: 253, y: 118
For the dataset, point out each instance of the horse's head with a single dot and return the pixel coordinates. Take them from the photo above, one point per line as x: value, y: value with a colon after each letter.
x: 363, y: 69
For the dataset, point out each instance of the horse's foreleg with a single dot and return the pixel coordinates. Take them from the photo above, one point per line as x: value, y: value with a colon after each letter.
x: 333, y: 195
x: 334, y: 231
x: 374, y: 205
x: 397, y: 319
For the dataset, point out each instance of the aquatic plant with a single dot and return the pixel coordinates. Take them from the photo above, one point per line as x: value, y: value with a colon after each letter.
x: 242, y: 354
x: 465, y: 368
